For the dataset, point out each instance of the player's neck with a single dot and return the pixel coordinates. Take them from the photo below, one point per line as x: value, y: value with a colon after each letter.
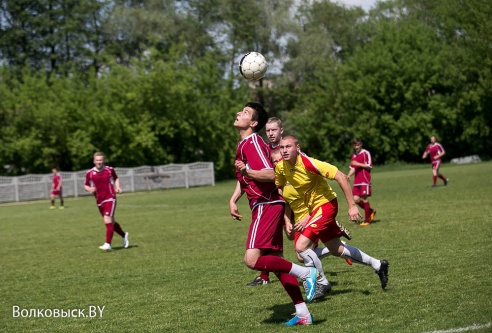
x: 244, y: 133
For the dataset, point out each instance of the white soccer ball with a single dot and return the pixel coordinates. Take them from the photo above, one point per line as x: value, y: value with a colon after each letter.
x: 253, y: 66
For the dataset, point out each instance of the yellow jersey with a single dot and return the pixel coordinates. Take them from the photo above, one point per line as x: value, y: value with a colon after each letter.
x: 308, y: 177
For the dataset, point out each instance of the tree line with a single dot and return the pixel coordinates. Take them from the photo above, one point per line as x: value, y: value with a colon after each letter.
x: 152, y: 82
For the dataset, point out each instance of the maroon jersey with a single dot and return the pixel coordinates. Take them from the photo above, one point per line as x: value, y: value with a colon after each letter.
x: 362, y: 176
x: 254, y: 152
x: 271, y: 147
x: 56, y: 181
x: 434, y: 149
x: 103, y: 181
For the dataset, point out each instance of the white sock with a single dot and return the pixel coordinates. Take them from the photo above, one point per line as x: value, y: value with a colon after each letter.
x: 322, y: 252
x: 300, y: 271
x: 301, y: 310
x: 312, y: 260
x: 359, y: 257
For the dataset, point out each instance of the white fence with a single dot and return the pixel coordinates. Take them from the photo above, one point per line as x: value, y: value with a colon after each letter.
x: 32, y: 187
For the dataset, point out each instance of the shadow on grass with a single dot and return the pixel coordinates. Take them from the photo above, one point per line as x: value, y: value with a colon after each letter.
x: 122, y: 248
x: 282, y: 313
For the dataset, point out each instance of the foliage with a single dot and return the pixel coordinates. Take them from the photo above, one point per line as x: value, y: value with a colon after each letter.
x: 153, y: 82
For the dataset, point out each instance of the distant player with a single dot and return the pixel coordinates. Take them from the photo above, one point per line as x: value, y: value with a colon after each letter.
x: 436, y: 152
x: 264, y: 245
x: 103, y: 182
x: 56, y: 189
x: 308, y: 177
x: 361, y: 167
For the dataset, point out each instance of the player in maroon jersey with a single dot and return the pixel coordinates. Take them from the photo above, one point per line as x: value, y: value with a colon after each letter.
x: 436, y: 152
x: 103, y: 182
x: 56, y: 189
x: 361, y: 166
x: 264, y: 244
x: 274, y: 130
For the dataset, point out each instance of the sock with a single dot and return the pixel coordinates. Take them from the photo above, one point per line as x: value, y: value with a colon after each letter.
x: 301, y: 310
x: 322, y: 252
x: 361, y: 204
x: 280, y: 265
x: 61, y: 202
x: 434, y: 178
x: 265, y: 275
x: 312, y: 260
x: 291, y: 286
x: 367, y: 211
x: 109, y: 232
x: 52, y: 202
x: 442, y: 177
x: 118, y: 229
x: 359, y: 257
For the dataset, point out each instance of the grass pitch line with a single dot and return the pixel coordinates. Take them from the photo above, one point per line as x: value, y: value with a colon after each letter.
x: 464, y: 329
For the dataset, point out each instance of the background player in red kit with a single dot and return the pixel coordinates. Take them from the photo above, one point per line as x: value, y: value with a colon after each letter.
x: 436, y: 152
x: 361, y: 166
x: 264, y: 246
x: 104, y: 183
x: 56, y: 189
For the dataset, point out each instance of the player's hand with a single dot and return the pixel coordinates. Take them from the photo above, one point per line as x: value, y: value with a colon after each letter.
x: 118, y: 190
x: 354, y: 214
x: 241, y: 167
x: 235, y: 212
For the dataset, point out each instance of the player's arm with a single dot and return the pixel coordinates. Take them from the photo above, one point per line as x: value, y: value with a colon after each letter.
x: 351, y: 172
x: 265, y: 175
x: 117, y: 185
x: 440, y: 155
x: 288, y: 228
x: 60, y: 181
x: 360, y: 165
x: 236, y: 195
x: 344, y: 184
x: 89, y: 188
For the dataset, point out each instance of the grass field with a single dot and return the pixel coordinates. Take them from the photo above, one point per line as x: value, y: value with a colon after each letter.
x: 184, y: 272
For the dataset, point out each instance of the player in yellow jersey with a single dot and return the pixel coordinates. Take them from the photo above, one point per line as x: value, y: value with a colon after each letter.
x: 308, y: 177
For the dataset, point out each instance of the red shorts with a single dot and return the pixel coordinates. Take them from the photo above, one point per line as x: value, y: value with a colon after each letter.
x: 56, y: 192
x: 107, y: 208
x: 362, y: 191
x: 265, y: 231
x: 296, y: 237
x: 436, y: 164
x: 322, y: 224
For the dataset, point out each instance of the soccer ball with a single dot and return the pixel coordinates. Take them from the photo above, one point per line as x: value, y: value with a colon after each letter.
x: 253, y: 66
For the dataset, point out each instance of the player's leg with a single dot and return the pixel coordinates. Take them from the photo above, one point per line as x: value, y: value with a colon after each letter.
x: 62, y: 204
x: 338, y: 248
x: 435, y: 167
x: 107, y: 211
x: 52, y: 198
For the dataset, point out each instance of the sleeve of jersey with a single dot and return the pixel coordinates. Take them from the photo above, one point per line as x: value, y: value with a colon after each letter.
x: 113, y: 174
x: 326, y: 170
x: 279, y: 175
x: 87, y: 180
x: 257, y: 156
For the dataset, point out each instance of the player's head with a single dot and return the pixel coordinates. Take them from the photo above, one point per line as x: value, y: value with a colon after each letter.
x: 275, y: 156
x: 274, y: 130
x: 289, y: 148
x: 433, y: 139
x: 98, y: 159
x: 357, y: 144
x: 54, y: 171
x: 259, y: 115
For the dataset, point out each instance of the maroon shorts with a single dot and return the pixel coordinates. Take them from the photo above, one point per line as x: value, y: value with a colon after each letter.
x: 322, y: 224
x: 436, y: 164
x: 265, y: 231
x: 107, y: 208
x: 56, y: 192
x: 362, y: 191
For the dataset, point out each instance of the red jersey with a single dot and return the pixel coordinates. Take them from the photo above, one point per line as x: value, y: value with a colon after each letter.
x: 434, y: 150
x: 103, y: 181
x: 271, y: 147
x: 254, y: 152
x: 56, y: 181
x: 362, y: 176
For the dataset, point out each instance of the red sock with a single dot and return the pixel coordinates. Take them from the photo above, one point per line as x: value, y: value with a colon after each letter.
x: 361, y: 204
x: 273, y: 264
x: 109, y: 232
x: 442, y: 177
x: 265, y: 275
x: 367, y: 211
x: 434, y: 178
x: 118, y: 230
x: 291, y: 286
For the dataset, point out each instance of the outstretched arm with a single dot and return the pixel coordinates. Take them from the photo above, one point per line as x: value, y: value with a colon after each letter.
x: 236, y: 195
x: 353, y: 211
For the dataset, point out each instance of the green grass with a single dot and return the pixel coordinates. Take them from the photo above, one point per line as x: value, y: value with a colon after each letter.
x: 184, y: 270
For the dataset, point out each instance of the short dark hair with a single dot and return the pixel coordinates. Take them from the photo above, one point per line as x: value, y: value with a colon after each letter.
x: 260, y: 115
x: 356, y: 141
